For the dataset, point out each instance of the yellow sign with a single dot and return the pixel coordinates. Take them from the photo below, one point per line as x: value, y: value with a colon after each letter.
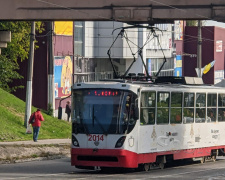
x: 179, y: 63
x: 64, y: 28
x: 208, y: 67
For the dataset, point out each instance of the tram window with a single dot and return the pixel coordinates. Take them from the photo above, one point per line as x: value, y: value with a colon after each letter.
x: 162, y: 116
x: 176, y: 107
x: 211, y: 100
x: 176, y: 99
x: 147, y: 116
x: 148, y: 99
x: 200, y: 100
x: 148, y: 108
x: 175, y: 115
x: 163, y: 99
x: 211, y: 114
x: 200, y: 115
x: 221, y: 107
x: 200, y: 108
x: 163, y: 107
x: 221, y: 114
x: 221, y: 100
x: 188, y: 115
x: 188, y: 99
x: 211, y: 107
x: 188, y: 112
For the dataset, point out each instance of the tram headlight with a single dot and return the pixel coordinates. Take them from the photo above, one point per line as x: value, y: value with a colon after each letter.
x: 75, y: 141
x: 120, y: 142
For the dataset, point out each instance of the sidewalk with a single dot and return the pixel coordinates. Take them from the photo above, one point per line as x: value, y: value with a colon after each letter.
x: 39, y: 142
x: 20, y: 151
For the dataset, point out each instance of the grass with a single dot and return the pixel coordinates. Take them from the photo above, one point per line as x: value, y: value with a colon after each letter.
x: 12, y: 111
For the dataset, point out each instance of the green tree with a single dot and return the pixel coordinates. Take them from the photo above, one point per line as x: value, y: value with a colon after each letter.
x: 192, y: 23
x: 17, y: 50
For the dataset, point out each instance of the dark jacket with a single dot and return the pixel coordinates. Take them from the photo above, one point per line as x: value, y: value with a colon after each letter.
x: 68, y: 109
x: 38, y: 118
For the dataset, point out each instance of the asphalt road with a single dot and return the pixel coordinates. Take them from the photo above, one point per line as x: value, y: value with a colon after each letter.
x: 61, y: 169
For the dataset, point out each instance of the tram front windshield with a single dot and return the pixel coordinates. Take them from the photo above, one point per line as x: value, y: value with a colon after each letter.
x: 103, y: 111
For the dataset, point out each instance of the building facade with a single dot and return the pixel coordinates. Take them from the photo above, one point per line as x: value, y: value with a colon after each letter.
x: 213, y: 39
x: 99, y: 37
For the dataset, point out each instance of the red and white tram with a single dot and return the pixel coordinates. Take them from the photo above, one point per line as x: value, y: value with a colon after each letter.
x: 131, y: 124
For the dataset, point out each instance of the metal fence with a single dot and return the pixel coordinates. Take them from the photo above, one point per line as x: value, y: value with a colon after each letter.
x: 96, y: 76
x: 168, y: 72
x: 92, y: 76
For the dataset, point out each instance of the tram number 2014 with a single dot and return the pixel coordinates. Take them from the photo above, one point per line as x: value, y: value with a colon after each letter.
x: 93, y: 137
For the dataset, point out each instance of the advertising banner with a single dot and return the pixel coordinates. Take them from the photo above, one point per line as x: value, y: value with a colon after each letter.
x: 63, y: 28
x: 178, y: 68
x: 179, y: 30
x: 63, y: 75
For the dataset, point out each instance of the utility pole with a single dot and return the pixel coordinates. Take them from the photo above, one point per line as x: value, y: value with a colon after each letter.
x: 51, y: 89
x: 30, y: 76
x: 199, y: 53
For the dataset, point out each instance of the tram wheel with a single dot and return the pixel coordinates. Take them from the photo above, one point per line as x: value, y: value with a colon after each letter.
x: 203, y: 160
x: 151, y: 166
x: 146, y: 167
x: 161, y: 165
x: 213, y: 158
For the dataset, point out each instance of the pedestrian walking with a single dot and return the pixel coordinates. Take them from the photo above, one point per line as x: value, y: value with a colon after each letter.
x: 35, y: 120
x: 68, y: 110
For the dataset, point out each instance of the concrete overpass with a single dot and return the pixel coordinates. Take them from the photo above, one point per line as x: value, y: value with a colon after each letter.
x: 130, y: 11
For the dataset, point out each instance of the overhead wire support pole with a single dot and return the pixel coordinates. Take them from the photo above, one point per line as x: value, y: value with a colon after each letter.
x: 199, y: 53
x: 51, y: 98
x: 30, y: 76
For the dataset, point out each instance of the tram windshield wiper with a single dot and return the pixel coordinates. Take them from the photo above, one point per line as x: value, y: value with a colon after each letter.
x: 94, y: 119
x: 85, y: 129
x: 100, y: 125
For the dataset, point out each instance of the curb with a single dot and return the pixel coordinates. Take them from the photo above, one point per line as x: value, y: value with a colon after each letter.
x: 16, y: 152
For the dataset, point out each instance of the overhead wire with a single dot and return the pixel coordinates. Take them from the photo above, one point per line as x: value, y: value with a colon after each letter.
x: 185, y: 11
x: 57, y: 5
x: 61, y: 6
x: 205, y: 17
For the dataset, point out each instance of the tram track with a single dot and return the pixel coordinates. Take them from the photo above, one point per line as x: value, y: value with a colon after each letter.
x: 60, y: 169
x: 202, y: 168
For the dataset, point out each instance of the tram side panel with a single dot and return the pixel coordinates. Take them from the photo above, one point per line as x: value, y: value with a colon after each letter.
x: 181, y: 140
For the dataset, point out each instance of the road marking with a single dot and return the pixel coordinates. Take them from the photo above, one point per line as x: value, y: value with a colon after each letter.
x: 61, y: 174
x: 31, y: 176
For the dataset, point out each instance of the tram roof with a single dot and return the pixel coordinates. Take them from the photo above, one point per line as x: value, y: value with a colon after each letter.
x: 162, y: 83
x: 170, y: 82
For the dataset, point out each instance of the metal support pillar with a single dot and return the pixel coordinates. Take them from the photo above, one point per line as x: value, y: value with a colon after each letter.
x: 30, y: 76
x: 51, y: 89
x: 199, y: 53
